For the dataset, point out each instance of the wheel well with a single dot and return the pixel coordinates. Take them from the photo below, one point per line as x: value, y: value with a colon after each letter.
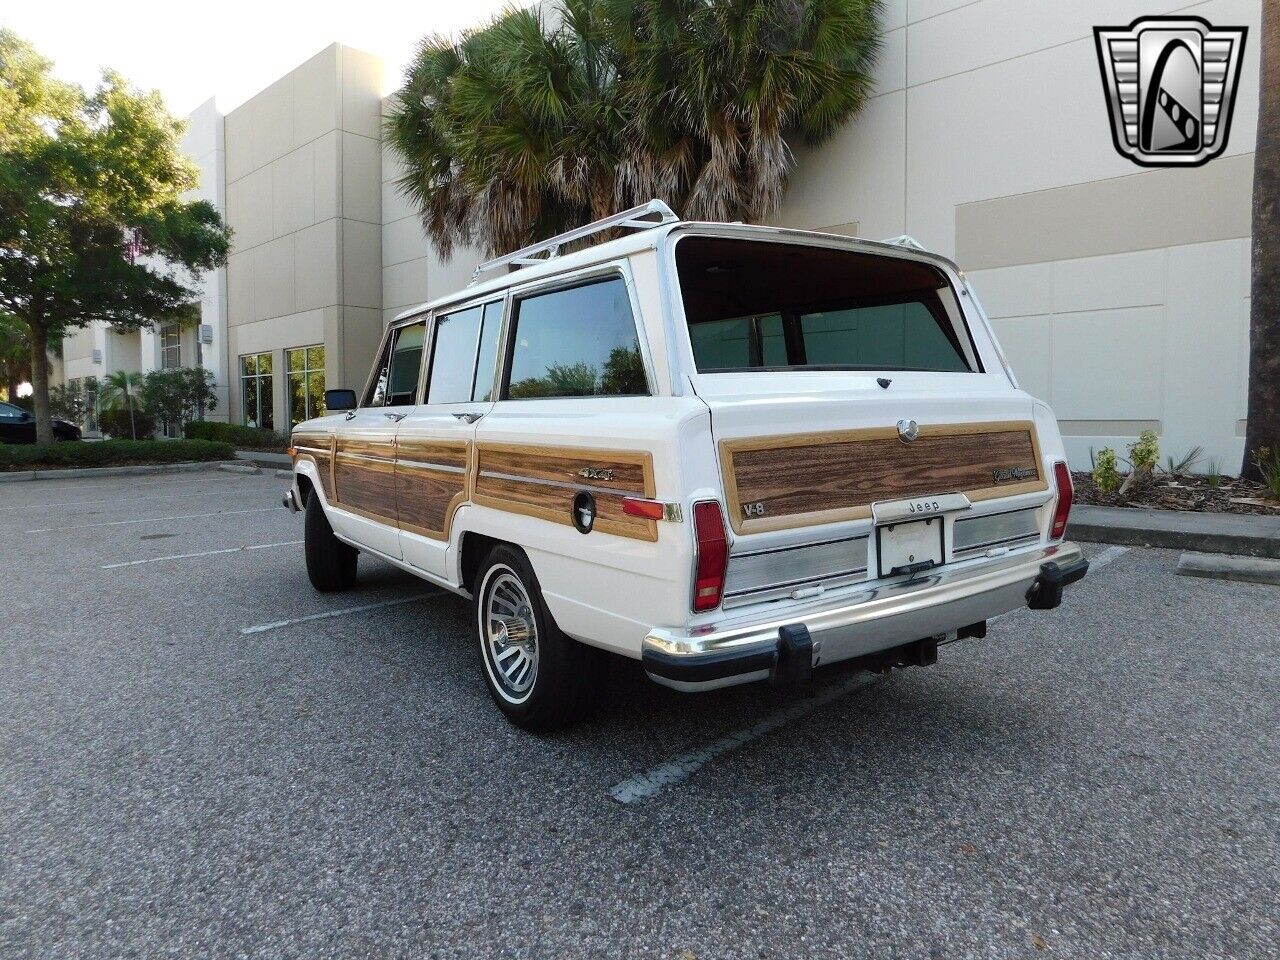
x: 475, y: 547
x: 304, y: 488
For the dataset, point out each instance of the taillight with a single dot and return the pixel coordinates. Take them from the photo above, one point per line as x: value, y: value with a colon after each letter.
x: 1062, y: 477
x: 713, y: 554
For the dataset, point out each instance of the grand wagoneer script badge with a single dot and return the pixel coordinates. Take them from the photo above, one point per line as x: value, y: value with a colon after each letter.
x: 1004, y: 474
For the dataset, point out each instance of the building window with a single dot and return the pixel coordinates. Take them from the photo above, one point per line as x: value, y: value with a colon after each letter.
x: 576, y: 342
x: 170, y: 347
x: 91, y: 404
x: 306, y: 383
x: 255, y: 391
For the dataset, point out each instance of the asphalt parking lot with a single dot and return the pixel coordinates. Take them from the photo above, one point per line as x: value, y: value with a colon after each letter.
x: 1099, y: 781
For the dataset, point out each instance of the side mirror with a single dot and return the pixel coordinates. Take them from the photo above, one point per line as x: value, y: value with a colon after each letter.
x: 335, y: 401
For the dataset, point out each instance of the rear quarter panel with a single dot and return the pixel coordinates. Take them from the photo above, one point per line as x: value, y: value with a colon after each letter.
x: 609, y: 586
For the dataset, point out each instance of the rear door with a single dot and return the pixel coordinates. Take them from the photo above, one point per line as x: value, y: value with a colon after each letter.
x: 365, y: 443
x: 434, y: 443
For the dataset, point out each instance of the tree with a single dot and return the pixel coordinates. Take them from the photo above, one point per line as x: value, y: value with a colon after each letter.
x: 176, y: 396
x: 93, y: 224
x: 557, y: 115
x: 1263, y: 429
x: 120, y: 391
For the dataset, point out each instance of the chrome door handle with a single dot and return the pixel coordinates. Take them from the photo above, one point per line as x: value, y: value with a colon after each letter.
x: 397, y: 417
x: 469, y: 417
x: 350, y: 414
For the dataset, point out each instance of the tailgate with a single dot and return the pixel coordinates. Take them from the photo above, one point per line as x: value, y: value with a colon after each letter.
x: 807, y: 458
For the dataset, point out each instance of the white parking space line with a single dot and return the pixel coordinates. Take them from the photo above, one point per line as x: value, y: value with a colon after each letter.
x: 653, y: 781
x: 120, y: 523
x: 202, y: 553
x: 329, y: 614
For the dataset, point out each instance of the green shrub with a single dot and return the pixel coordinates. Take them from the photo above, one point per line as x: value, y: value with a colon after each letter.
x: 120, y: 427
x: 1268, y: 463
x: 1105, y: 475
x: 111, y: 453
x: 1145, y: 451
x: 233, y: 433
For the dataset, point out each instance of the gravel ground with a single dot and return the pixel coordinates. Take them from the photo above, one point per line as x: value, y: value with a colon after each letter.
x: 1099, y: 781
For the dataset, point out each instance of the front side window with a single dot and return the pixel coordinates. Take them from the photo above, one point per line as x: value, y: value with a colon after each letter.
x: 464, y: 354
x: 396, y: 383
x: 170, y: 347
x: 305, y: 366
x: 759, y: 305
x: 576, y: 342
x: 256, y: 401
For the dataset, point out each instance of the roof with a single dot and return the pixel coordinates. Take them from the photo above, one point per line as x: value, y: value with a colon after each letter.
x: 653, y: 237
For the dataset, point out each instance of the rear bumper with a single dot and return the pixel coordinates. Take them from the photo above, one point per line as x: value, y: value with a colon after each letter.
x: 877, y: 618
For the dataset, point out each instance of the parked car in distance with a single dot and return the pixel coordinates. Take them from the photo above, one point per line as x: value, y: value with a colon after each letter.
x: 734, y: 453
x: 19, y: 426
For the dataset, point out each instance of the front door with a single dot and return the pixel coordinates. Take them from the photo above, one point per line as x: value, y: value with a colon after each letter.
x: 434, y: 444
x: 364, y: 455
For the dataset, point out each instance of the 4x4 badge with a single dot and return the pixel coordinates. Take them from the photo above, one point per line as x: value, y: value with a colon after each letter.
x: 1171, y: 85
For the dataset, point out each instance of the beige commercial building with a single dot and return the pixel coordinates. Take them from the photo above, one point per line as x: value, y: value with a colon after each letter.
x: 1120, y: 293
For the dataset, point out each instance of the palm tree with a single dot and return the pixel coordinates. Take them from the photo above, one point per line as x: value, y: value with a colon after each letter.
x: 1263, y: 431
x: 15, y: 353
x: 118, y: 392
x: 556, y: 115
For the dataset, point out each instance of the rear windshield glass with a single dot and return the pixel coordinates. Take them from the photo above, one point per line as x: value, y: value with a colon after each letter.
x: 757, y: 305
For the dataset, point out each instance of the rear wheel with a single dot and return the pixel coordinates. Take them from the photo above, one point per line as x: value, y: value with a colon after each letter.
x: 539, y: 678
x: 331, y: 564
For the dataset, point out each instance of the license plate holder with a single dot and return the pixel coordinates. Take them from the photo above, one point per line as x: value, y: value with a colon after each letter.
x: 910, y: 546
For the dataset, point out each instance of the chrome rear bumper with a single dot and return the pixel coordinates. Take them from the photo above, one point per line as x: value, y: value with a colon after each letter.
x: 873, y: 619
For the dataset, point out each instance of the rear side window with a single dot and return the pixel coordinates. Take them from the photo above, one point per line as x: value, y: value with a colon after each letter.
x: 576, y: 342
x: 754, y: 305
x: 462, y: 360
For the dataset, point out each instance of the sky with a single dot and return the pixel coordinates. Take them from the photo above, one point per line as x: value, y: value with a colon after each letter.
x: 230, y: 49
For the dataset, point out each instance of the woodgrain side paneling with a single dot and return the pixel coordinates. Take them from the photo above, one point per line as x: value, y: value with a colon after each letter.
x: 806, y: 479
x: 364, y: 476
x: 431, y: 483
x: 317, y: 448
x: 542, y: 481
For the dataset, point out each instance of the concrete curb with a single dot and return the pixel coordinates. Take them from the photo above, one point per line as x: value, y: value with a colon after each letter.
x: 251, y: 468
x: 266, y: 459
x: 1218, y: 567
x: 133, y: 471
x: 1254, y: 536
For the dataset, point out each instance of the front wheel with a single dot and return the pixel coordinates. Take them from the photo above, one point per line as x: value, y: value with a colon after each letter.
x: 331, y: 564
x: 539, y: 678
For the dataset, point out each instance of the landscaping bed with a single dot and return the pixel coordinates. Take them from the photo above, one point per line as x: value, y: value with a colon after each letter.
x: 111, y: 453
x: 241, y: 437
x: 1189, y: 492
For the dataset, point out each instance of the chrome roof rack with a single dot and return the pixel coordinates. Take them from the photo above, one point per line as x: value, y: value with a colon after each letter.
x: 637, y: 218
x: 911, y: 243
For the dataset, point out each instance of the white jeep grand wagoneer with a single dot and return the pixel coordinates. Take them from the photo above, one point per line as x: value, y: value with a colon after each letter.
x: 734, y: 453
